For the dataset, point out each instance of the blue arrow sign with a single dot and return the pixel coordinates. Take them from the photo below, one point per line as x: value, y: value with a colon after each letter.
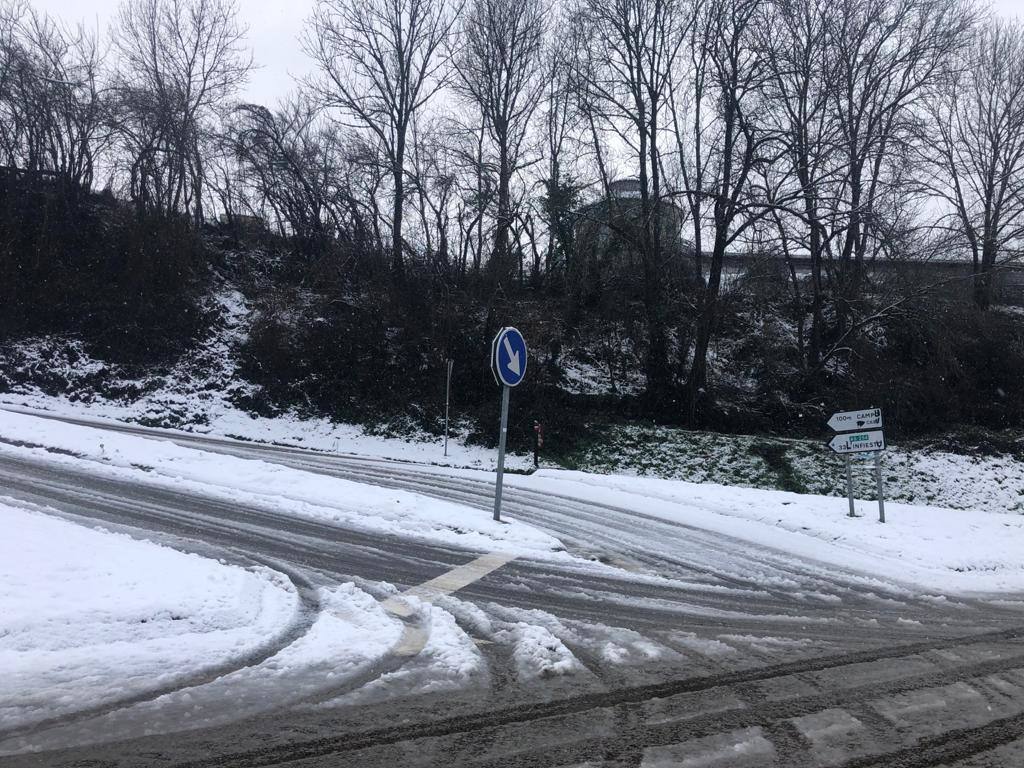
x: 508, y: 357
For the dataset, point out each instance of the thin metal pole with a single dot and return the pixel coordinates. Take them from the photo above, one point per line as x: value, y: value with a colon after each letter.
x: 447, y: 400
x: 881, y: 491
x: 849, y: 483
x: 501, y: 453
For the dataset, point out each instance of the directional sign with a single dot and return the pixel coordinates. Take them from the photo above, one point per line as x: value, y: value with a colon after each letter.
x: 508, y: 357
x: 847, y: 420
x: 858, y: 442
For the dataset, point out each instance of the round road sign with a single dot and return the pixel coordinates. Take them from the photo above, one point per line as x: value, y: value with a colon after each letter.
x: 508, y: 357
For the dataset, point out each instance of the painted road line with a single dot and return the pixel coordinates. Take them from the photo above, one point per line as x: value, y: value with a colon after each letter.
x: 448, y: 582
x: 414, y: 635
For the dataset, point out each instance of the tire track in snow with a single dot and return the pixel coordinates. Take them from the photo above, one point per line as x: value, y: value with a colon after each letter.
x: 589, y: 518
x: 573, y: 712
x: 415, y: 630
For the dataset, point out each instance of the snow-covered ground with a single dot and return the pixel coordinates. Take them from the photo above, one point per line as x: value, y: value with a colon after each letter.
x: 940, y: 549
x: 349, y: 635
x: 269, y: 486
x: 218, y: 417
x: 944, y: 551
x: 93, y: 616
x: 139, y: 636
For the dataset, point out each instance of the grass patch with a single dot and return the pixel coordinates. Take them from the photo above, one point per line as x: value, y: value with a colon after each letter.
x: 956, y: 471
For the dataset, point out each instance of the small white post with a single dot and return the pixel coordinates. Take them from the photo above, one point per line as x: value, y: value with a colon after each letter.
x: 447, y: 400
x: 881, y: 490
x: 849, y: 483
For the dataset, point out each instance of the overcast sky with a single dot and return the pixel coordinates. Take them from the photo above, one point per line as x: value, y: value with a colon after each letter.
x: 274, y: 27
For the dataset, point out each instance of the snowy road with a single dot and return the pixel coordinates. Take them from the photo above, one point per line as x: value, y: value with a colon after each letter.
x: 694, y: 649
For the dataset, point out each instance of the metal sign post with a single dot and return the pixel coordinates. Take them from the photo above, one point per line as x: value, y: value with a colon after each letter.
x: 501, y: 452
x: 881, y: 491
x: 867, y: 438
x: 447, y: 400
x: 849, y: 483
x: 508, y: 364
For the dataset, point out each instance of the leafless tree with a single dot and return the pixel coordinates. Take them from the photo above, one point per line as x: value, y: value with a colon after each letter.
x: 179, y: 62
x: 51, y: 98
x: 561, y: 126
x: 474, y: 189
x: 380, y: 62
x: 15, y: 66
x: 977, y: 159
x: 889, y: 53
x: 722, y: 140
x: 845, y: 94
x: 801, y: 80
x: 302, y: 172
x: 499, y: 70
x: 628, y: 52
x: 436, y: 181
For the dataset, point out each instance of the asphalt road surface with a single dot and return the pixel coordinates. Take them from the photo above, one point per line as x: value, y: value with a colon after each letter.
x: 763, y: 659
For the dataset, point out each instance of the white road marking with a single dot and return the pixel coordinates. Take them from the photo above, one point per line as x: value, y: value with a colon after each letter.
x: 414, y: 638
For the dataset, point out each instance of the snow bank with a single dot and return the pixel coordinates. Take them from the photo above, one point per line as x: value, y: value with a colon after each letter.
x: 218, y: 418
x: 538, y: 653
x: 91, y: 616
x: 267, y: 485
x: 945, y: 550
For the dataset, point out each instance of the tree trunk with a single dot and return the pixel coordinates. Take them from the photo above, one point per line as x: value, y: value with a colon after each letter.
x: 502, y: 266
x: 397, y: 262
x: 983, y: 275
x: 698, y: 380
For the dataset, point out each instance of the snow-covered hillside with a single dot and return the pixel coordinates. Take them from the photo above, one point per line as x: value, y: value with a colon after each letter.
x: 201, y: 392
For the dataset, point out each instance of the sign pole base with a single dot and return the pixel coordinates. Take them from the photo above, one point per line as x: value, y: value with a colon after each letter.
x: 501, y: 452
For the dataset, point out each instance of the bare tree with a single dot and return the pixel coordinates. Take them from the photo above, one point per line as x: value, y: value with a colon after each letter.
x: 889, y: 53
x: 51, y: 100
x: 977, y: 161
x: 180, y: 61
x: 435, y: 177
x: 380, y: 62
x: 722, y: 141
x: 800, y: 85
x: 628, y: 52
x: 499, y: 70
x: 15, y: 65
x: 845, y: 93
x: 561, y: 124
x: 301, y: 171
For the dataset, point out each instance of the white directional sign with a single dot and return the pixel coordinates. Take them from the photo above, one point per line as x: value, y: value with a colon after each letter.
x: 858, y: 442
x: 847, y: 420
